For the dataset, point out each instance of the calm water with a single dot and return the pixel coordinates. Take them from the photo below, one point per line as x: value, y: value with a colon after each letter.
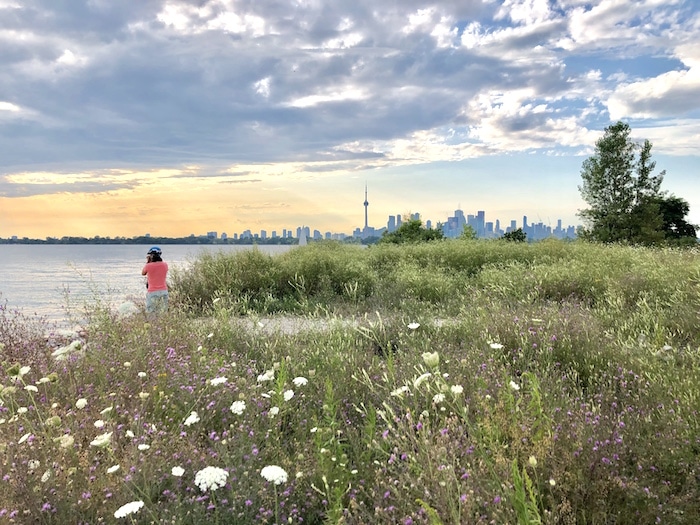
x: 42, y: 280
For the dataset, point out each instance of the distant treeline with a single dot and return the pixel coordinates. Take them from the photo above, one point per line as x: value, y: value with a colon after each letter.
x: 149, y: 240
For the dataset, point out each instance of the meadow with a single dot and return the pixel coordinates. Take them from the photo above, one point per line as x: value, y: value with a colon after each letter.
x: 455, y: 382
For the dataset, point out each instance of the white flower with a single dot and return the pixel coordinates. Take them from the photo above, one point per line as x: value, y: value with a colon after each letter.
x: 129, y: 508
x: 81, y: 403
x: 112, y: 469
x: 496, y: 346
x: 143, y: 446
x: 177, y: 471
x: 274, y: 474
x: 22, y: 410
x: 24, y: 438
x: 314, y: 430
x: 106, y: 411
x: 419, y: 380
x: 144, y: 395
x: 129, y: 434
x: 400, y: 391
x: 269, y: 375
x: 61, y: 353
x: 99, y: 423
x: 456, y: 389
x: 431, y: 359
x: 45, y: 477
x: 515, y: 386
x: 192, y: 419
x: 413, y: 326
x: 216, y: 300
x: 210, y: 478
x: 274, y: 411
x: 127, y: 364
x: 65, y: 441
x: 438, y: 398
x: 210, y: 335
x: 300, y: 381
x: 237, y: 407
x: 142, y: 374
x: 33, y: 464
x: 288, y: 394
x: 102, y: 440
x: 552, y: 482
x: 532, y: 461
x: 31, y: 388
x: 218, y: 381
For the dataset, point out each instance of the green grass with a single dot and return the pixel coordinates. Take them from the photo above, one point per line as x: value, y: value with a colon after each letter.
x: 545, y: 383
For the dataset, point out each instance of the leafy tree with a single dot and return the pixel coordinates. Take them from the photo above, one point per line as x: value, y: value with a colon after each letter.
x: 468, y: 233
x: 515, y: 236
x: 621, y: 191
x: 412, y: 230
x: 673, y: 211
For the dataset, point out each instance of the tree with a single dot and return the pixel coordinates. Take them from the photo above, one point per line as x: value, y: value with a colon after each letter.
x: 468, y: 233
x: 412, y: 231
x: 621, y: 191
x: 515, y: 236
x: 673, y: 211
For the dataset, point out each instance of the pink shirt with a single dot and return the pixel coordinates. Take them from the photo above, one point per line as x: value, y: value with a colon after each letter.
x: 156, y: 273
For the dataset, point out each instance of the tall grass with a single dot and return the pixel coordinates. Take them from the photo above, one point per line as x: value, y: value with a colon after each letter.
x: 457, y: 382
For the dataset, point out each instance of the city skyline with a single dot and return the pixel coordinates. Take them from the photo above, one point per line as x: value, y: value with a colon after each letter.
x: 172, y: 116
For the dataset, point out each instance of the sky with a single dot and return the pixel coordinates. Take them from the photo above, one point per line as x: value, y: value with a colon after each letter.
x: 177, y: 117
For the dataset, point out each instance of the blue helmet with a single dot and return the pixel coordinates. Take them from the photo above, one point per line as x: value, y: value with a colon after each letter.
x: 155, y: 250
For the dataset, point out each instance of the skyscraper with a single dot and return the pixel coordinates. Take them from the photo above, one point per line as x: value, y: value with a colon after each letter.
x: 366, y: 206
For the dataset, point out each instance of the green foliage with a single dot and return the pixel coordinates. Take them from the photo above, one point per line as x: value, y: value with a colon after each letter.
x: 624, y: 197
x: 468, y: 233
x: 515, y: 236
x: 411, y: 231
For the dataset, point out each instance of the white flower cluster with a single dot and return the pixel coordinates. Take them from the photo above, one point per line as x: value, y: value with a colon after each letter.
x: 274, y: 474
x: 210, y: 478
x: 129, y: 508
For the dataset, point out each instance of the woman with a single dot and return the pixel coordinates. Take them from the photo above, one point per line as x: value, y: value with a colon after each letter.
x: 156, y: 270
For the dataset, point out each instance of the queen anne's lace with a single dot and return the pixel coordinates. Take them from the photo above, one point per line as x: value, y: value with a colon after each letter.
x: 274, y: 474
x: 210, y: 478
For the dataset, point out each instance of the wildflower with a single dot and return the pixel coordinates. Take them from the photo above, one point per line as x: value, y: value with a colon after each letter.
x: 127, y: 364
x: 143, y: 395
x: 31, y: 388
x: 274, y: 474
x: 274, y: 411
x: 314, y: 430
x: 216, y: 300
x: 419, y: 380
x: 456, y: 389
x: 112, y: 469
x: 210, y: 478
x: 288, y: 394
x: 102, y: 440
x: 532, y: 461
x: 269, y: 375
x: 177, y: 471
x: 496, y: 346
x: 142, y: 374
x: 300, y: 381
x: 552, y: 482
x: 438, y: 398
x: 81, y: 403
x: 515, y: 386
x: 22, y: 410
x: 99, y: 423
x: 218, y: 381
x: 33, y: 464
x: 144, y: 446
x: 431, y: 359
x: 210, y: 335
x: 65, y: 441
x: 106, y: 411
x: 45, y: 477
x: 61, y: 353
x: 129, y: 434
x: 24, y: 438
x: 53, y: 421
x: 192, y: 419
x: 237, y: 407
x: 400, y: 391
x: 413, y: 326
x: 129, y: 508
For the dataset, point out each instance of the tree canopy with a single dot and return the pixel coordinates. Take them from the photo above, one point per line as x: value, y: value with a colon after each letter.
x: 412, y: 230
x: 625, y: 200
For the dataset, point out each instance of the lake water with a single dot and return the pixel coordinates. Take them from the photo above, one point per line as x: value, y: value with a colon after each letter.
x: 45, y: 280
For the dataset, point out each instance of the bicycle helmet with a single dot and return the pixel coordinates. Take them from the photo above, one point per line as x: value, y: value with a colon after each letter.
x: 155, y: 250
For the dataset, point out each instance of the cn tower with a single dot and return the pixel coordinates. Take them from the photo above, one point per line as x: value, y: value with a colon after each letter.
x: 366, y: 205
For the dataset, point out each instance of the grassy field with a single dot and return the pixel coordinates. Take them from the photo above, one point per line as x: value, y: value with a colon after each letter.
x: 451, y: 383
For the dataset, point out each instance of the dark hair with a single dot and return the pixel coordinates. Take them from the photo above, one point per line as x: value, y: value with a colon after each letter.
x: 155, y: 257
